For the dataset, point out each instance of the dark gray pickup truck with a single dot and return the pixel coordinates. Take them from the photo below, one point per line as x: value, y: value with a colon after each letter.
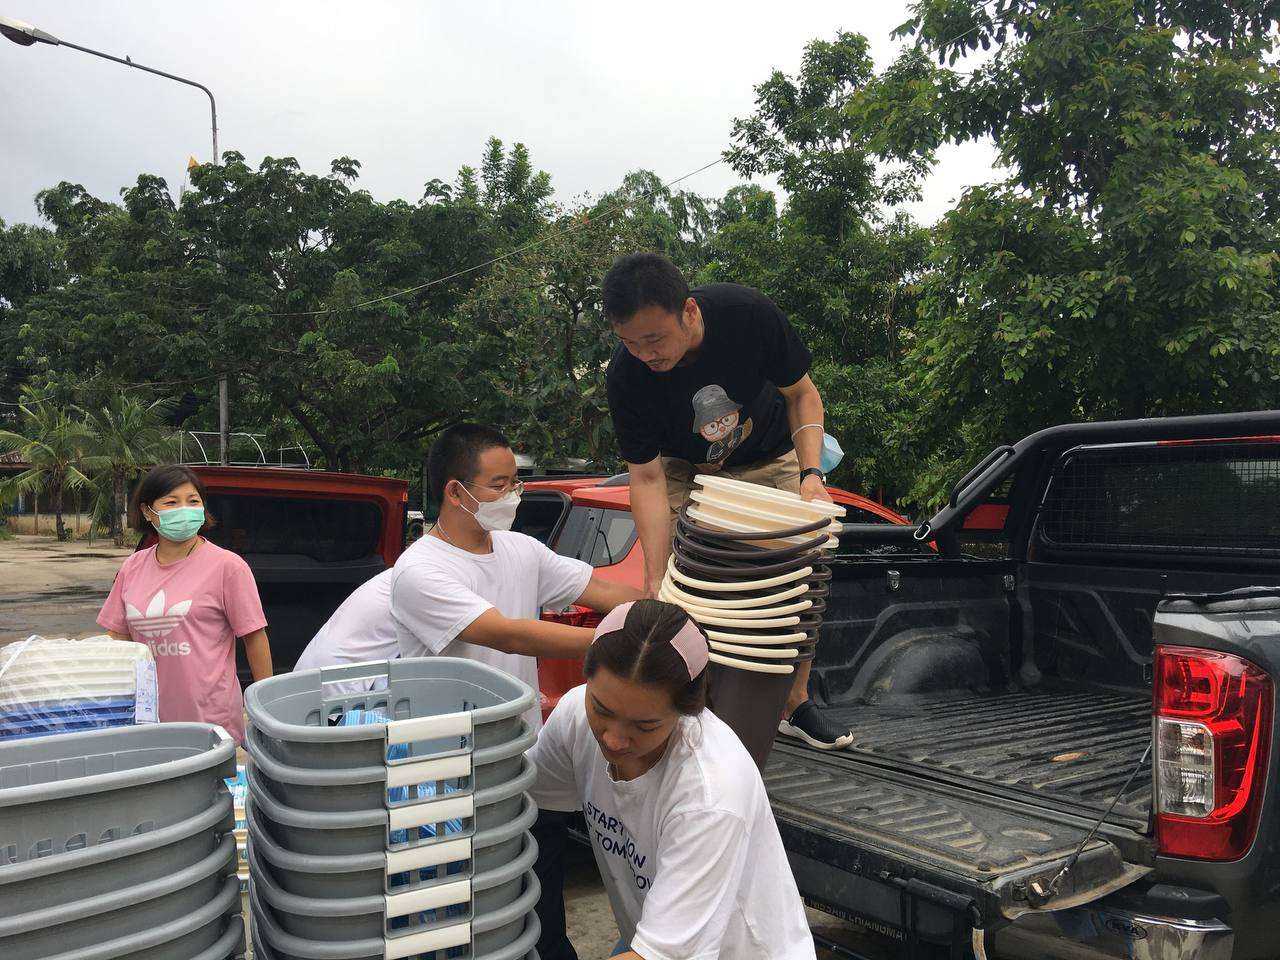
x: 1064, y: 714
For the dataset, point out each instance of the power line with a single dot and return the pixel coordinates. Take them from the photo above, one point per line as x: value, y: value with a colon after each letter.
x: 557, y: 233
x: 117, y: 386
x: 530, y: 245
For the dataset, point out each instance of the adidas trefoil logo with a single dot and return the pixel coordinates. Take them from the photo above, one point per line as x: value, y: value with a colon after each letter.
x: 157, y: 621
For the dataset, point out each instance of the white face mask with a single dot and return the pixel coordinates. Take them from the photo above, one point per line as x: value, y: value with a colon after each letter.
x: 495, y: 514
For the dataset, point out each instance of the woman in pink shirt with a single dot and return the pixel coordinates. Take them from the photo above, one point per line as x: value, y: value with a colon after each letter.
x: 188, y: 600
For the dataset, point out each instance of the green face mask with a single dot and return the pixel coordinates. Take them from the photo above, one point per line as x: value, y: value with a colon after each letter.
x: 179, y: 524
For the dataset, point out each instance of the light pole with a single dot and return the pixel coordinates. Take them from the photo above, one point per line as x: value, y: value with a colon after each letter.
x: 25, y: 35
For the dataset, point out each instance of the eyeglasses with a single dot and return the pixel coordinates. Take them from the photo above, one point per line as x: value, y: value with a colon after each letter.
x: 501, y: 489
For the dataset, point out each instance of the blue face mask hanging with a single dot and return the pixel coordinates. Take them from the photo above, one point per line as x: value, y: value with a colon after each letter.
x: 832, y: 453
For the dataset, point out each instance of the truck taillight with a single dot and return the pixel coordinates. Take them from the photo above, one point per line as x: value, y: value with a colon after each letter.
x: 1212, y: 733
x: 575, y: 616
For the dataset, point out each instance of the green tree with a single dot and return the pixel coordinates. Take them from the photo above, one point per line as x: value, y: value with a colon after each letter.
x: 56, y: 446
x: 127, y: 435
x: 287, y: 283
x: 31, y: 263
x: 537, y: 343
x: 1126, y: 266
x: 836, y: 259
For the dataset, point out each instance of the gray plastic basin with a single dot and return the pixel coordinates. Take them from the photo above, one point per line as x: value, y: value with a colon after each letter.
x: 502, y: 935
x: 206, y: 930
x: 510, y: 952
x: 131, y: 910
x: 359, y: 918
x: 62, y: 793
x: 358, y: 788
x: 293, y: 711
x: 100, y: 869
x: 363, y: 875
x: 367, y: 831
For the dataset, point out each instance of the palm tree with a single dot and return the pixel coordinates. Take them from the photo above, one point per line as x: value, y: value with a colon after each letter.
x: 128, y: 436
x: 58, y: 448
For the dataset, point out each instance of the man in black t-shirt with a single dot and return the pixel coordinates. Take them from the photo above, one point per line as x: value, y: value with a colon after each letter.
x: 710, y: 380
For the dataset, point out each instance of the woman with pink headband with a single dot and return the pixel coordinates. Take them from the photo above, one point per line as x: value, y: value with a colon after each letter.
x: 679, y: 820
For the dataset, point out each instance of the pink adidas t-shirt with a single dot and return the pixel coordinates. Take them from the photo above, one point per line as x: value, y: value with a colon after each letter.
x: 189, y: 613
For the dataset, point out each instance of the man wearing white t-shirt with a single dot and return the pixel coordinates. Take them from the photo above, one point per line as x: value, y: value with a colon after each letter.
x: 471, y: 587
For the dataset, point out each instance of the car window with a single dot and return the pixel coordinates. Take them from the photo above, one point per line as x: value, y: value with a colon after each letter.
x: 324, y: 530
x: 574, y: 539
x: 612, y: 539
x: 538, y: 515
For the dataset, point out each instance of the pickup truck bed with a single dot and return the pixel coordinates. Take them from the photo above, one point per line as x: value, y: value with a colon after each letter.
x: 963, y: 793
x: 1068, y: 745
x: 1001, y: 700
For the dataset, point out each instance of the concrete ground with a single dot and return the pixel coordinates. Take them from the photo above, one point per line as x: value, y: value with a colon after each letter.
x: 56, y: 589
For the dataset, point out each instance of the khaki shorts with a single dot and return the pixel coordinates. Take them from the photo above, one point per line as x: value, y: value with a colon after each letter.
x: 782, y: 473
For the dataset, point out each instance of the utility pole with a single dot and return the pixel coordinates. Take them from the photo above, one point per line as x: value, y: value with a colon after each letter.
x: 224, y: 437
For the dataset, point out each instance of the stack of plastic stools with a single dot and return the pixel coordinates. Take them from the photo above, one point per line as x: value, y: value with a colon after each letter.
x: 117, y: 845
x: 392, y: 823
x: 750, y: 565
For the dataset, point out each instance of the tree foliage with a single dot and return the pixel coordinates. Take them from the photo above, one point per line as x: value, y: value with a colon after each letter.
x: 1126, y: 266
x: 837, y: 259
x: 58, y: 450
x: 126, y: 437
x: 1121, y: 262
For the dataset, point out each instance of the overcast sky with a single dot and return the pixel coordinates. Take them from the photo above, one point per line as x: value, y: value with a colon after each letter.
x: 411, y: 89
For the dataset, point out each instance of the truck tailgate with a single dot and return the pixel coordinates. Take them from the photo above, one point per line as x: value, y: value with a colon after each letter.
x: 949, y: 844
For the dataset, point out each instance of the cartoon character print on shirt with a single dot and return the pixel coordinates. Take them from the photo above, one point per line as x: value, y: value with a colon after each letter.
x: 716, y: 418
x: 612, y: 836
x: 157, y: 623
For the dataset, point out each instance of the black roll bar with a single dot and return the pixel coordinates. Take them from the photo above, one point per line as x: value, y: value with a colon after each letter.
x: 1003, y: 461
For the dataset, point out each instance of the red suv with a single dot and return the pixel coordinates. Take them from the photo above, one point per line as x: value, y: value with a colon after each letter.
x: 590, y: 518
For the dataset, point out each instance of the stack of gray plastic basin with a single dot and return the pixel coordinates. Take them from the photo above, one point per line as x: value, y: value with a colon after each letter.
x: 392, y: 823
x: 118, y: 844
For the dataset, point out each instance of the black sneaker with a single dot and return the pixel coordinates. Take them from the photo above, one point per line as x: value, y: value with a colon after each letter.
x: 808, y: 724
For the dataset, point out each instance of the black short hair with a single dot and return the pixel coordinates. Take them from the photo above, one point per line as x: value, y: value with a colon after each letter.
x: 159, y: 481
x: 456, y: 455
x: 641, y: 280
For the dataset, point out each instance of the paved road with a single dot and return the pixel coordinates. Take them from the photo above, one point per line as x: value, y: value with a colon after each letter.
x: 54, y: 589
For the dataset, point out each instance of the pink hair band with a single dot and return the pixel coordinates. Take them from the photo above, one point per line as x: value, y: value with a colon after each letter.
x: 688, y: 641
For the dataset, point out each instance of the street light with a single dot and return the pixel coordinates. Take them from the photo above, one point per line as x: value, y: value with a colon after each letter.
x: 23, y: 33
x: 26, y: 35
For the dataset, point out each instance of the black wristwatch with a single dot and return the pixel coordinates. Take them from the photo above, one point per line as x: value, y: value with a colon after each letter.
x: 815, y: 472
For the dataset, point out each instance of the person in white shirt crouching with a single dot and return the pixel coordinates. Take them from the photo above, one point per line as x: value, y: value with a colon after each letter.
x: 680, y: 824
x: 474, y: 588
x: 471, y: 587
